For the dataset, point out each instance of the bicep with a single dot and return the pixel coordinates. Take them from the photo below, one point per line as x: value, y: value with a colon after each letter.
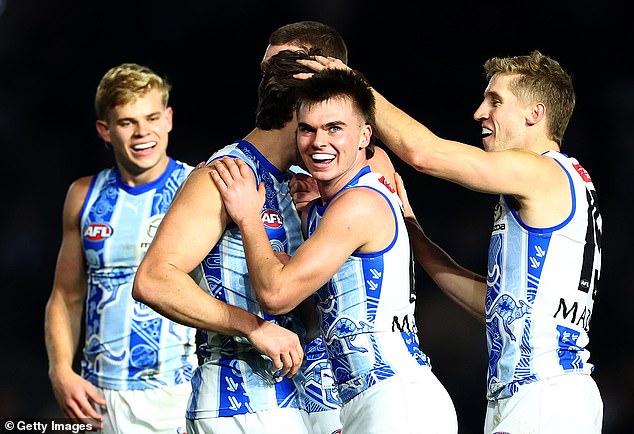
x: 513, y: 172
x: 70, y: 277
x: 192, y: 225
x: 345, y: 228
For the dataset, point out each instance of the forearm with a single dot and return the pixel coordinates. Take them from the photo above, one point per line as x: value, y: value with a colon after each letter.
x: 266, y: 271
x: 406, y: 137
x: 62, y: 329
x: 174, y: 294
x: 465, y: 287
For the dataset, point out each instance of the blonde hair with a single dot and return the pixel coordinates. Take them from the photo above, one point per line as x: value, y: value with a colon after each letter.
x: 124, y: 84
x: 539, y: 79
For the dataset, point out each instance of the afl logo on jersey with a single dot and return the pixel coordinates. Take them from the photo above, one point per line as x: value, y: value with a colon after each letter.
x: 272, y: 219
x: 98, y: 231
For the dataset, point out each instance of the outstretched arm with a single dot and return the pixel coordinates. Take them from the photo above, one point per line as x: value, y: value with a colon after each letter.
x: 192, y: 226
x: 522, y: 173
x: 465, y: 287
x: 62, y: 324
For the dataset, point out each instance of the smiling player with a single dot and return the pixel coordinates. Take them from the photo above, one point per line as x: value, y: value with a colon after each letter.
x: 133, y: 357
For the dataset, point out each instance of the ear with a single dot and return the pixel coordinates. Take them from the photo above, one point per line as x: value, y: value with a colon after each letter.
x: 366, y: 135
x: 536, y: 114
x: 103, y: 130
x: 169, y: 113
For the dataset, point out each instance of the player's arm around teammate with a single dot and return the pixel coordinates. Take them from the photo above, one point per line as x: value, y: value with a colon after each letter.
x: 192, y: 226
x: 348, y: 220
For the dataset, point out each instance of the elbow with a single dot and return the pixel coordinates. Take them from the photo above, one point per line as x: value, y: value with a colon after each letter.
x: 141, y: 287
x: 422, y: 162
x: 273, y: 305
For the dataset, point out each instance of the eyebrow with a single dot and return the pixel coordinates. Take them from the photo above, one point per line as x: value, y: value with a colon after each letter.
x: 132, y: 119
x: 305, y: 125
x: 493, y: 94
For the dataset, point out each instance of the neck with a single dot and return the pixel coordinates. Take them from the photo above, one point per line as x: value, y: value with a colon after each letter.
x: 329, y: 188
x: 548, y: 145
x: 134, y: 177
x: 277, y: 146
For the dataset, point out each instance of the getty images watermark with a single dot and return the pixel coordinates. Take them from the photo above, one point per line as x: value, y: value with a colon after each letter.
x: 45, y: 426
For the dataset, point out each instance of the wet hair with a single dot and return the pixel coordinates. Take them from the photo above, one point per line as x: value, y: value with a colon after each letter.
x: 332, y: 84
x: 124, y: 84
x: 539, y: 79
x: 276, y: 92
x: 311, y: 34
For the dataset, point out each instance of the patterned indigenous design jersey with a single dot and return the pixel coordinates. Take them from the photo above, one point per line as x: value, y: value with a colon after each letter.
x: 317, y: 389
x: 235, y: 378
x: 540, y: 290
x: 367, y: 308
x: 128, y: 345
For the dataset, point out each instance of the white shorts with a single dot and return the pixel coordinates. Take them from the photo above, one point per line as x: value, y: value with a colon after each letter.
x: 564, y: 404
x: 149, y: 411
x: 323, y: 422
x: 285, y: 420
x: 415, y: 402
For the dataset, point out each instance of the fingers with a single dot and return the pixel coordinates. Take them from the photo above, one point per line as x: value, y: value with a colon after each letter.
x: 319, y: 63
x: 232, y: 170
x: 303, y: 75
x: 226, y: 172
x: 297, y: 358
x: 79, y: 410
x: 288, y: 363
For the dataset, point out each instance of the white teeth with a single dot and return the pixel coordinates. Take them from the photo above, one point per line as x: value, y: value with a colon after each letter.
x: 143, y: 146
x: 486, y: 132
x: 322, y: 157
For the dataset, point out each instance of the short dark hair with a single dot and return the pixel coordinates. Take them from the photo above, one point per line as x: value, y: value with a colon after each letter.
x: 276, y: 92
x: 311, y: 34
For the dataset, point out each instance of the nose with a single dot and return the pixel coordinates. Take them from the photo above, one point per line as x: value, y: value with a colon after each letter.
x: 321, y: 138
x: 142, y: 128
x: 480, y: 113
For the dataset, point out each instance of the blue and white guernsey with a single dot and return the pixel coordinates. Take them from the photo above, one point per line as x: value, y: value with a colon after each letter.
x: 318, y: 390
x: 367, y: 308
x: 128, y: 345
x: 235, y: 378
x: 540, y: 290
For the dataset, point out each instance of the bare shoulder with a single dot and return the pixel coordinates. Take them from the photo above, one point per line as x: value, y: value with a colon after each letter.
x: 381, y: 163
x: 356, y: 212
x: 76, y: 194
x: 199, y: 182
x: 197, y: 203
x: 359, y: 202
x: 547, y: 200
x: 75, y: 198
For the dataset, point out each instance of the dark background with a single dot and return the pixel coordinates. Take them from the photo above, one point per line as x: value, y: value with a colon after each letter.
x: 425, y: 58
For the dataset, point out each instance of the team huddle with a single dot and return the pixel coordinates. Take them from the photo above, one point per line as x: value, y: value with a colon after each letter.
x: 257, y: 291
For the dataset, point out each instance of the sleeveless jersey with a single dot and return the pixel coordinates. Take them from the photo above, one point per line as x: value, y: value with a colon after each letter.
x: 128, y: 345
x: 317, y: 384
x: 235, y: 378
x: 367, y: 308
x: 541, y: 286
